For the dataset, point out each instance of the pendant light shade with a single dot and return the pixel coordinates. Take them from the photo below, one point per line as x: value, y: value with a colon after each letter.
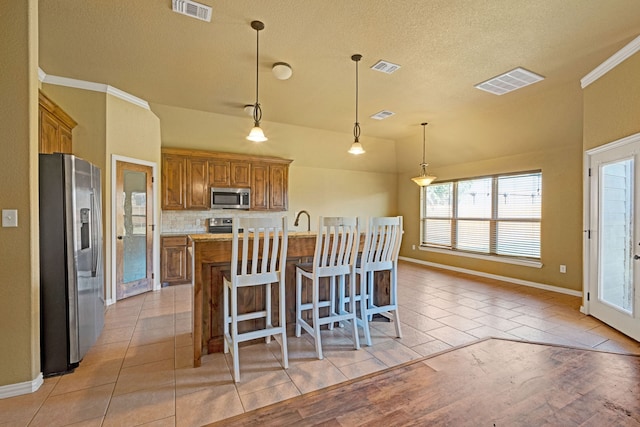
x: 424, y: 178
x: 256, y: 134
x: 356, y: 147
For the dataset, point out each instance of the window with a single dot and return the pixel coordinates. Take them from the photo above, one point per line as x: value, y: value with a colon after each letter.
x: 494, y: 215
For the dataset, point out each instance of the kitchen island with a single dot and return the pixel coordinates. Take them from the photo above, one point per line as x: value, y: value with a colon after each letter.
x: 211, y: 255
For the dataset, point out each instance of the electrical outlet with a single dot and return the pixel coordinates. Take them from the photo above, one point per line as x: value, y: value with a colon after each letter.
x: 563, y: 268
x: 413, y: 247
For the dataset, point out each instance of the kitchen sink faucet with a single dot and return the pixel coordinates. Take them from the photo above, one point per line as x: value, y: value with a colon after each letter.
x: 295, y: 223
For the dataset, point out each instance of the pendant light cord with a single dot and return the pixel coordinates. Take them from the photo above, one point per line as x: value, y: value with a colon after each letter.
x: 356, y: 126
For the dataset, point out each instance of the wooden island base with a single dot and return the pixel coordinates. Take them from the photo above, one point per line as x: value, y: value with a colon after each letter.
x: 211, y: 255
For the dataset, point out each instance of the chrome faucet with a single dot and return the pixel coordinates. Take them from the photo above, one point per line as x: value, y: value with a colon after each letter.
x: 295, y: 223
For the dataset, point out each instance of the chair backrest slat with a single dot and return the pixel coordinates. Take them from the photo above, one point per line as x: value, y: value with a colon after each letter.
x: 382, y: 242
x: 265, y: 238
x: 336, y: 244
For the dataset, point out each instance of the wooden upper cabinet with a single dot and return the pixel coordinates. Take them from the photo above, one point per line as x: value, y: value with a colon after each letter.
x: 173, y: 182
x: 198, y: 183
x: 278, y: 185
x: 260, y: 186
x: 55, y: 127
x: 219, y: 173
x: 189, y: 175
x: 240, y: 174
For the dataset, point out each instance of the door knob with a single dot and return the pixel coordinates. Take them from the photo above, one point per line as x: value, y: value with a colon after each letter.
x: 636, y: 257
x: 119, y: 237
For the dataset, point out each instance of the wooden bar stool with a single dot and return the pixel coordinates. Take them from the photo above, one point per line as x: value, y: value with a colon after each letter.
x: 380, y: 252
x: 334, y: 258
x: 258, y: 259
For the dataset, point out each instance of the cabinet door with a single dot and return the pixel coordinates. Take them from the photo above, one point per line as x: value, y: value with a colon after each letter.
x: 198, y: 183
x: 49, y: 133
x: 65, y: 140
x: 219, y: 173
x: 175, y: 260
x: 240, y: 174
x: 259, y: 186
x: 278, y: 184
x: 173, y: 182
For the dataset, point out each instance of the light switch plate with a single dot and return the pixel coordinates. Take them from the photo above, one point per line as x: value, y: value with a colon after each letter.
x: 9, y: 217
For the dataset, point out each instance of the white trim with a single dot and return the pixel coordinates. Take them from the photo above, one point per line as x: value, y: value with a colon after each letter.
x: 586, y: 211
x: 615, y: 144
x: 156, y: 218
x: 495, y: 276
x: 504, y: 260
x: 11, y: 390
x: 611, y: 63
x: 95, y: 87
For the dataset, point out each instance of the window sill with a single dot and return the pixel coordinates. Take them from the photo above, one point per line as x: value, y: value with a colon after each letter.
x: 504, y: 260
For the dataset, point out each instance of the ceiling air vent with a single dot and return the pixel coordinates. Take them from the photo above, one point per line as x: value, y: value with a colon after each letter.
x: 192, y: 9
x: 385, y: 67
x: 381, y: 115
x: 509, y: 81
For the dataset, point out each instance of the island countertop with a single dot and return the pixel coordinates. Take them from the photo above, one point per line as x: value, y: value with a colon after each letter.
x: 208, y: 237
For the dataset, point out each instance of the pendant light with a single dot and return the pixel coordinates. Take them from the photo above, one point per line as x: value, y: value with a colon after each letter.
x: 256, y: 134
x: 356, y: 147
x: 424, y: 178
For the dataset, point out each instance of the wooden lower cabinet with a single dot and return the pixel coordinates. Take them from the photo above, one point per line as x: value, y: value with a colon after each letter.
x: 175, y: 260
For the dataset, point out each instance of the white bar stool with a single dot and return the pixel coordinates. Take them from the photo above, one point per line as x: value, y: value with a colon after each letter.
x: 380, y: 253
x: 265, y: 239
x: 334, y: 257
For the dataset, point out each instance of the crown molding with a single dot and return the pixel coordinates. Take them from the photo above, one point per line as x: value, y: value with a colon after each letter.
x: 26, y: 387
x: 611, y: 63
x: 95, y: 87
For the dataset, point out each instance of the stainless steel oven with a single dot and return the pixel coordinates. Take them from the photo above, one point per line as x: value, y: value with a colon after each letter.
x: 230, y: 198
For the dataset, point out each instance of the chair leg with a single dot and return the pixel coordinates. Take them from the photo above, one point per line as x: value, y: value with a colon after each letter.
x: 283, y: 325
x: 364, y: 302
x: 332, y: 299
x: 234, y: 334
x: 298, y: 302
x: 267, y: 320
x: 394, y: 300
x: 316, y: 319
x: 352, y: 308
x: 225, y: 313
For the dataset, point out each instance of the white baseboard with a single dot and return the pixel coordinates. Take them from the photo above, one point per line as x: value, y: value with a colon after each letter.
x: 26, y: 387
x: 495, y: 276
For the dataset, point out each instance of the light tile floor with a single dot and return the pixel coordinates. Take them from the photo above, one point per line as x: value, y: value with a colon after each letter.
x: 139, y: 373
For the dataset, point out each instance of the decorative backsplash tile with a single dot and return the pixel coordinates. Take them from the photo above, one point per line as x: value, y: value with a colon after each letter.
x: 195, y: 222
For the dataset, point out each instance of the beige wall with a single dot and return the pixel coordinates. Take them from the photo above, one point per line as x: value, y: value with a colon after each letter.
x: 324, y: 179
x: 538, y: 119
x: 108, y: 126
x: 612, y: 104
x: 19, y: 259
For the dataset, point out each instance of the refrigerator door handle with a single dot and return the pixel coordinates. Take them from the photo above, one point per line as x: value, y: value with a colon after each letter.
x: 94, y: 238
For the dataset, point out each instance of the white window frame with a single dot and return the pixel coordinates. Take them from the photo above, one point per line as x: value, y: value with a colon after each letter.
x: 508, y: 259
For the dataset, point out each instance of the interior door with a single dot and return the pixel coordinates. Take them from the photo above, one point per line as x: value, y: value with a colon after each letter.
x: 614, y: 244
x: 134, y: 229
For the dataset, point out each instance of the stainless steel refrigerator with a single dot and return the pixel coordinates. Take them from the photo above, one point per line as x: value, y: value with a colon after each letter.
x: 71, y: 263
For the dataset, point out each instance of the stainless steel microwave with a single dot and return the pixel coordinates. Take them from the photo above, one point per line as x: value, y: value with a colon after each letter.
x: 230, y: 198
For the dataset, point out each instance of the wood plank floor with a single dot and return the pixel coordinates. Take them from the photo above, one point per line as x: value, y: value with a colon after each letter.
x: 494, y: 382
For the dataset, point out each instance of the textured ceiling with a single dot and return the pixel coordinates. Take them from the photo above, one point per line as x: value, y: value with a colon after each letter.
x: 443, y: 46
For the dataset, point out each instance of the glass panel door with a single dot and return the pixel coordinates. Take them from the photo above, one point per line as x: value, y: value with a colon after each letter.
x: 613, y: 237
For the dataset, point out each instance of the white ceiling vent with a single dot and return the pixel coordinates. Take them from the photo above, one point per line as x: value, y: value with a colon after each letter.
x: 381, y: 115
x: 385, y: 67
x: 509, y: 81
x: 192, y: 9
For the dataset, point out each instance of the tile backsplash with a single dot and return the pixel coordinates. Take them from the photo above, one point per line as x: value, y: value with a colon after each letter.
x: 195, y: 222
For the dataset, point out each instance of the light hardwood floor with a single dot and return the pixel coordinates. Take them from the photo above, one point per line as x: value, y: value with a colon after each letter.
x: 139, y: 371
